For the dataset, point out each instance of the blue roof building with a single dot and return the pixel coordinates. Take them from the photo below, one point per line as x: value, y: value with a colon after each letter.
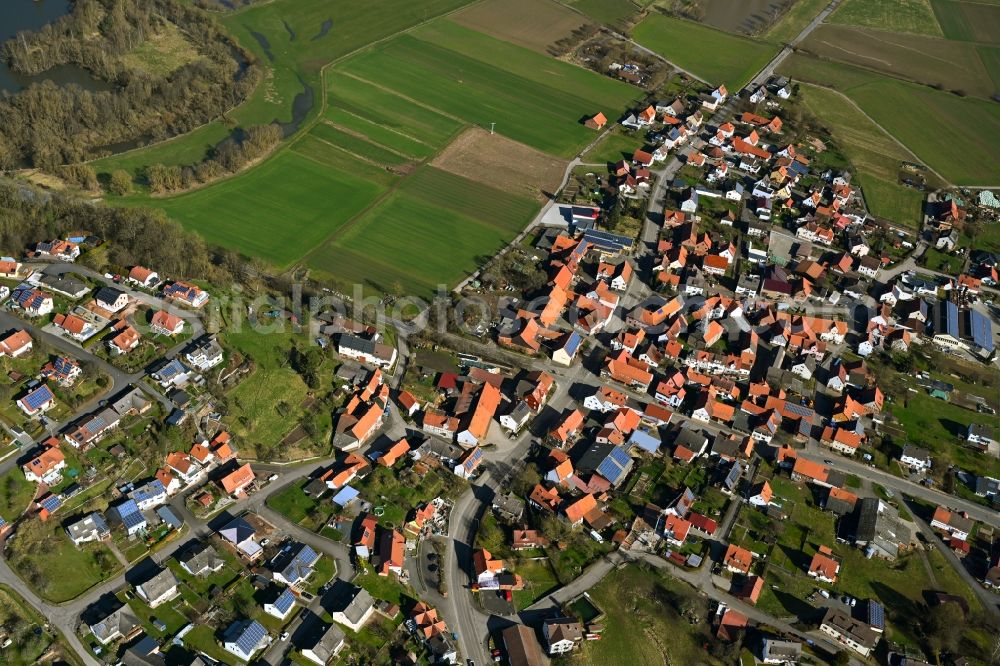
x: 645, y: 441
x: 299, y: 567
x: 609, y: 460
x: 282, y: 606
x: 37, y: 400
x: 244, y: 639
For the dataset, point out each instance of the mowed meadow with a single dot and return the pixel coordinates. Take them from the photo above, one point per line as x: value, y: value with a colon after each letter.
x: 352, y: 195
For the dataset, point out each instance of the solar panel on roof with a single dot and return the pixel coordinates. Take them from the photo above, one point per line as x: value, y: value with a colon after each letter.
x: 798, y: 409
x: 251, y: 637
x: 132, y: 520
x: 127, y: 508
x: 982, y: 331
x: 284, y: 600
x: 51, y: 503
x: 876, y: 615
x: 610, y: 470
x: 619, y: 455
x: 37, y: 398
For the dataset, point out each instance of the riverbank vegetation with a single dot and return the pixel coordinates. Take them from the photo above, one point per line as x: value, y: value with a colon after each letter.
x: 159, y: 67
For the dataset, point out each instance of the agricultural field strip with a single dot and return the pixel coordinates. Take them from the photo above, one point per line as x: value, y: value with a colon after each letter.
x: 905, y: 110
x: 922, y: 59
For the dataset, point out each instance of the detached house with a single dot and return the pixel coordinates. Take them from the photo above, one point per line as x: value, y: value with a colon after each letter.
x: 125, y: 339
x: 34, y: 302
x: 58, y: 249
x: 366, y: 351
x: 186, y: 293
x: 823, y: 567
x: 143, y: 277
x: 37, y: 400
x: 957, y: 525
x: 46, y: 467
x: 164, y: 323
x: 16, y: 344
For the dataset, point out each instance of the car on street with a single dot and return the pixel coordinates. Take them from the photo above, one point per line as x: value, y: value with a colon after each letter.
x: 284, y: 635
x: 273, y: 477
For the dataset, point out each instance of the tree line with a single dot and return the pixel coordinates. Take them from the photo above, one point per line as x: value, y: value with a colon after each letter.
x: 46, y: 125
x: 229, y: 157
x: 135, y: 235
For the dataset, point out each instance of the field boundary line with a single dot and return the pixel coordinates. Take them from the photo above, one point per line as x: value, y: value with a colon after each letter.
x: 391, y: 129
x: 363, y: 137
x: 400, y: 95
x: 346, y: 152
x: 892, y: 136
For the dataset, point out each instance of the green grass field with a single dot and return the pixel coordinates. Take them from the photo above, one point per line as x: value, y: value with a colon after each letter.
x: 965, y: 144
x: 292, y: 63
x: 914, y: 16
x: 614, y: 146
x: 642, y: 624
x: 389, y: 108
x: 279, y: 210
x: 716, y: 56
x: 532, y: 99
x: 873, y: 154
x: 968, y: 20
x: 448, y: 221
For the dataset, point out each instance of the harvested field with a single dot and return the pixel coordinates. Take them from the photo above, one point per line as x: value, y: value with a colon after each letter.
x: 964, y: 148
x: 615, y: 13
x: 501, y: 163
x: 927, y: 60
x: 969, y: 21
x: 534, y: 24
x: 873, y: 154
x: 711, y: 54
x: 745, y: 17
x: 914, y: 16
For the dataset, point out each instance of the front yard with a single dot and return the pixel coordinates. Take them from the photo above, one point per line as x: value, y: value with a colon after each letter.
x: 42, y: 554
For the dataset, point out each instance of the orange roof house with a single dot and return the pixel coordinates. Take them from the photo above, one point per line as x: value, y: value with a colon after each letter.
x: 485, y: 564
x: 126, y: 340
x: 352, y: 465
x: 568, y: 427
x: 200, y: 453
x: 15, y: 344
x: 810, y: 471
x: 737, y: 559
x: 545, y: 498
x: 392, y: 455
x: 391, y: 551
x: 751, y: 590
x: 70, y: 323
x: 237, y: 482
x: 481, y: 417
x: 823, y: 567
x: 142, y: 275
x: 427, y: 622
x: 578, y: 510
x: 365, y: 543
x: 166, y: 323
x: 596, y: 122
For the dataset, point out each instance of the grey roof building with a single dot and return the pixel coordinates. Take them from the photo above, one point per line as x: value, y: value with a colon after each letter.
x: 201, y: 560
x: 158, y: 589
x: 91, y: 527
x: 326, y: 647
x: 879, y: 529
x: 122, y: 623
x: 356, y: 611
